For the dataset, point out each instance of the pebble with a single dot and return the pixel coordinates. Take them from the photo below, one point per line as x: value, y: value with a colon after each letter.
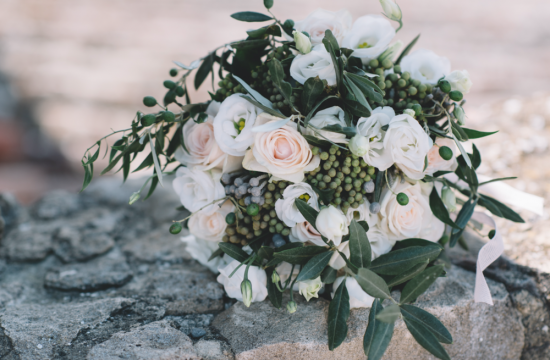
x: 198, y: 332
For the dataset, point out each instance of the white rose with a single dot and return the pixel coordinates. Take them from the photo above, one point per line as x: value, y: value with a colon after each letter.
x: 284, y: 269
x: 426, y: 66
x: 371, y: 128
x: 408, y: 145
x: 286, y: 208
x: 310, y: 288
x: 303, y: 44
x: 283, y: 153
x: 436, y: 162
x: 460, y: 80
x: 304, y: 232
x: 331, y: 116
x: 233, y: 125
x: 336, y: 260
x: 357, y: 297
x: 211, y: 226
x: 369, y: 37
x: 414, y: 220
x: 232, y: 284
x: 316, y: 63
x: 197, y: 189
x: 316, y: 23
x: 200, y: 148
x: 332, y: 224
x: 201, y: 250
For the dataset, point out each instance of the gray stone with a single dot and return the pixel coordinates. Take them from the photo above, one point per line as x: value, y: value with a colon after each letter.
x: 187, y: 323
x: 198, y: 332
x: 9, y: 293
x: 28, y: 242
x: 56, y: 204
x: 35, y: 330
x: 72, y: 244
x: 158, y: 340
x: 98, y: 274
x: 213, y: 350
x: 157, y: 246
x: 479, y: 331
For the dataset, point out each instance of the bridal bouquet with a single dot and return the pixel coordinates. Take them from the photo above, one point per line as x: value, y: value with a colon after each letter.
x: 327, y: 162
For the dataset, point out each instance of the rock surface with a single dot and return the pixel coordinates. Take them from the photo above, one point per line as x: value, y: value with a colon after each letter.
x: 89, y: 277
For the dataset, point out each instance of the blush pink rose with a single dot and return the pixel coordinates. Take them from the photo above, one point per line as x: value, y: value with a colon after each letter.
x: 436, y: 162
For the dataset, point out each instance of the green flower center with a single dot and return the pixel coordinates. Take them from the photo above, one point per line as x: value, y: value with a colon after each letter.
x: 239, y: 126
x: 364, y: 45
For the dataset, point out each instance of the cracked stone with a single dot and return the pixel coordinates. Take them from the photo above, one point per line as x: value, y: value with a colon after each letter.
x: 28, y: 242
x: 56, y: 204
x: 158, y: 246
x: 73, y: 245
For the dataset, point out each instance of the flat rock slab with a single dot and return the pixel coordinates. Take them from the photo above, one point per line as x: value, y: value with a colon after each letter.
x: 479, y: 331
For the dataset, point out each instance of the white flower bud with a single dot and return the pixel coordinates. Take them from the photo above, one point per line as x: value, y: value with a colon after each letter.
x: 246, y: 291
x: 359, y: 145
x: 310, y: 288
x: 391, y: 51
x: 291, y: 307
x: 409, y: 112
x: 332, y: 224
x: 458, y: 112
x: 135, y: 197
x: 303, y: 43
x: 275, y: 277
x: 391, y: 10
x: 449, y: 198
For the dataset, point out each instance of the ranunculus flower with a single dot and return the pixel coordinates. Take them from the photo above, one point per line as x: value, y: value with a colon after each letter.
x: 408, y: 144
x: 304, y: 232
x: 210, y: 226
x: 286, y: 208
x: 310, y: 288
x: 201, y: 250
x: 233, y: 125
x: 232, y: 284
x: 283, y: 153
x: 414, y: 220
x: 316, y: 63
x: 197, y: 189
x: 332, y: 224
x: 426, y: 66
x: 303, y: 44
x: 357, y: 297
x: 436, y: 162
x: 201, y: 150
x: 460, y: 80
x: 369, y: 37
x: 331, y: 116
x: 371, y: 128
x: 319, y: 21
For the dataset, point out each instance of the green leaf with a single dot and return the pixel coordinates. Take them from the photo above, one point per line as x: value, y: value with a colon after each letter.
x: 462, y: 151
x: 364, y: 225
x: 499, y: 209
x: 389, y: 314
x: 234, y: 251
x: 408, y: 274
x: 328, y: 276
x: 250, y: 44
x: 359, y: 246
x: 426, y: 339
x: 439, y: 210
x: 257, y: 96
x: 406, y: 50
x: 215, y: 254
x: 459, y: 132
x: 373, y: 284
x: 204, y: 70
x: 378, y: 334
x: 396, y: 262
x: 498, y: 179
x: 357, y: 93
x: 474, y: 134
x: 313, y: 87
x: 265, y: 252
x: 325, y: 195
x: 88, y: 175
x: 415, y: 242
x: 274, y: 295
x: 338, y: 314
x: 314, y: 110
x: 331, y: 44
x: 263, y: 107
x: 462, y: 219
x: 309, y: 213
x: 429, y: 321
x: 152, y: 188
x: 315, y: 141
x: 277, y: 76
x: 250, y: 16
x: 299, y: 255
x: 420, y: 283
x: 367, y: 86
x: 476, y: 157
x: 355, y: 108
x: 314, y: 266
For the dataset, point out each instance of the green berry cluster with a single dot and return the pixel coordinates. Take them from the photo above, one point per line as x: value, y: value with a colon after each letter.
x: 227, y: 87
x: 344, y: 173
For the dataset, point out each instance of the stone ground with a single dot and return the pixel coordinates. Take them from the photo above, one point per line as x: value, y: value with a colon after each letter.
x: 89, y: 277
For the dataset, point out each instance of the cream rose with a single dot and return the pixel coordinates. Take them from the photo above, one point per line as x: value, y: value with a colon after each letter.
x: 414, y: 220
x: 197, y: 189
x: 283, y: 153
x: 460, y: 80
x: 371, y: 128
x: 286, y: 208
x: 369, y: 37
x: 211, y: 226
x: 426, y: 66
x: 232, y: 285
x: 357, y: 297
x: 201, y: 250
x: 315, y: 63
x: 331, y: 116
x: 304, y: 232
x: 408, y: 144
x: 436, y: 162
x: 233, y: 125
x: 332, y: 224
x: 319, y: 21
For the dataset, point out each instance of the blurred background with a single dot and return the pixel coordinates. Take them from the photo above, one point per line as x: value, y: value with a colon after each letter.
x: 71, y: 70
